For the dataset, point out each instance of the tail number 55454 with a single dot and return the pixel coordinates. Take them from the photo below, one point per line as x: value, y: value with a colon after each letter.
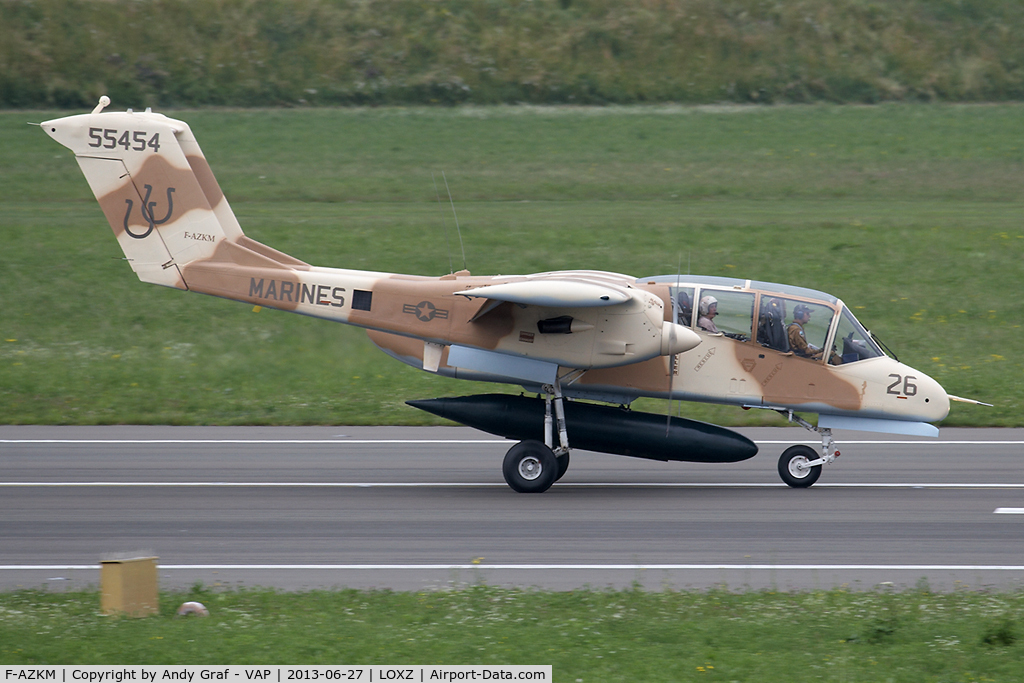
x: 138, y: 140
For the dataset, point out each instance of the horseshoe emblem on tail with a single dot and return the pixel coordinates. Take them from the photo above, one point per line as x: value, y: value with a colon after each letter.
x: 147, y: 212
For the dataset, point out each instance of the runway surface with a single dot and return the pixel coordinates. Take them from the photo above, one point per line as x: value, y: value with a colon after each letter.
x: 415, y: 508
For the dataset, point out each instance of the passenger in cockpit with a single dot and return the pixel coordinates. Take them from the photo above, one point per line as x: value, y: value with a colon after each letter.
x: 708, y: 310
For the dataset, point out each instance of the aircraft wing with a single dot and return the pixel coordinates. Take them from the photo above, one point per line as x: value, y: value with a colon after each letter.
x: 553, y: 293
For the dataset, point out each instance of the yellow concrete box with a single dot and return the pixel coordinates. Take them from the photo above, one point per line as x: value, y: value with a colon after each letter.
x: 128, y: 586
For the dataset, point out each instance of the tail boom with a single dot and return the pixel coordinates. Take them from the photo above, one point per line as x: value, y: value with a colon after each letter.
x: 176, y: 229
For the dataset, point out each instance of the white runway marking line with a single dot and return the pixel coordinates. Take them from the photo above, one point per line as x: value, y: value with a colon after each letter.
x: 293, y: 442
x: 1009, y: 511
x: 441, y: 442
x: 436, y: 484
x: 547, y: 567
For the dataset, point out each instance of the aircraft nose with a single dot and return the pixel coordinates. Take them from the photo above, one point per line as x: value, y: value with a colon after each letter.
x: 940, y: 402
x: 931, y: 399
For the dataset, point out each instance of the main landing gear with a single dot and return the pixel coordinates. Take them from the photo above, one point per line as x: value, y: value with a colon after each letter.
x: 532, y: 466
x: 800, y: 466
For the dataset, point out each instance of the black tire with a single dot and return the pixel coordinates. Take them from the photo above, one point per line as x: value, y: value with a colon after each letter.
x: 530, y: 467
x: 563, y: 465
x: 790, y: 470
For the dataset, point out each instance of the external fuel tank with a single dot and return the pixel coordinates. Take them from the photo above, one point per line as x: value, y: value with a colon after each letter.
x: 593, y: 427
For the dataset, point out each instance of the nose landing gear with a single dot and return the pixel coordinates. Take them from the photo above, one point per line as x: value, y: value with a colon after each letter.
x: 794, y: 467
x: 800, y: 466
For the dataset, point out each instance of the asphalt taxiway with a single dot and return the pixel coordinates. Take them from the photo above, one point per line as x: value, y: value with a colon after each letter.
x: 421, y: 508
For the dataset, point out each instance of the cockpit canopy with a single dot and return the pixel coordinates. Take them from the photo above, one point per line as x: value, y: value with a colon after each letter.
x: 797, y: 320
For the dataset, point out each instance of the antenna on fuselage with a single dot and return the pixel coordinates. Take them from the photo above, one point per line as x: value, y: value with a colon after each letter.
x: 445, y: 223
x: 451, y: 268
x: 457, y: 230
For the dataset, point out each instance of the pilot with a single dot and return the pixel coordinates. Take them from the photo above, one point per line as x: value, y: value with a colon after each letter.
x: 708, y: 309
x: 797, y: 339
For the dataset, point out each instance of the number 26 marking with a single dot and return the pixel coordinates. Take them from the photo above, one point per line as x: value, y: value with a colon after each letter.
x: 908, y: 388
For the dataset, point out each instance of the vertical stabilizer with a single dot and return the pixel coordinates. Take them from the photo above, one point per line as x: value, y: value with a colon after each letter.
x: 156, y: 190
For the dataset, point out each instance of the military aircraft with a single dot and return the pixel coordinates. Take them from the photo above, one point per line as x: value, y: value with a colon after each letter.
x: 586, y: 342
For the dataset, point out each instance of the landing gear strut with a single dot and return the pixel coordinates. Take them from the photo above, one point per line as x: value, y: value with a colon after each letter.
x: 800, y: 466
x: 532, y: 466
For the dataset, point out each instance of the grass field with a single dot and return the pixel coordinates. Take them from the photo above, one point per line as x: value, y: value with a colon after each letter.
x: 912, y: 214
x: 586, y: 636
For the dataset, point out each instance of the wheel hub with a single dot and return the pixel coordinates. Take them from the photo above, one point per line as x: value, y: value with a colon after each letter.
x: 798, y: 467
x: 530, y: 468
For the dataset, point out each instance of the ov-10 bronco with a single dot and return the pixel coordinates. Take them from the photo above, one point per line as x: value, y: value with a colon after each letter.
x: 578, y: 339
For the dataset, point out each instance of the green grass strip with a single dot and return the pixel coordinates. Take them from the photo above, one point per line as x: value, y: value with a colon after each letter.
x: 914, y: 636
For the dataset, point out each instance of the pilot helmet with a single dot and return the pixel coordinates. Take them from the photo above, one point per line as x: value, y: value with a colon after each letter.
x: 706, y: 303
x: 800, y: 310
